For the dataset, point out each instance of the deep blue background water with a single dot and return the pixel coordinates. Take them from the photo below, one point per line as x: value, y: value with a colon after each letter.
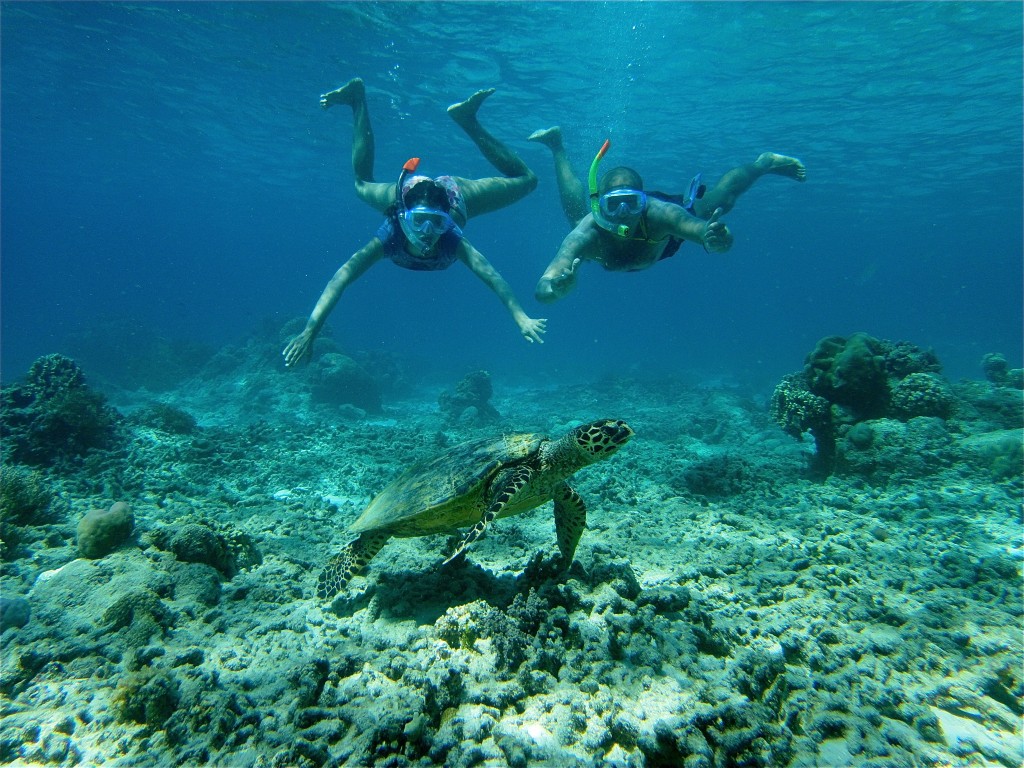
x: 168, y: 167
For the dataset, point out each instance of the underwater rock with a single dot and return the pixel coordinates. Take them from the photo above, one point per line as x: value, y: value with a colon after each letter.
x: 53, y: 416
x: 1000, y: 453
x: 470, y: 401
x: 102, y: 531
x: 883, y: 448
x: 14, y: 612
x: 720, y: 475
x: 339, y: 380
x: 998, y: 371
x: 148, y: 697
x: 137, y: 616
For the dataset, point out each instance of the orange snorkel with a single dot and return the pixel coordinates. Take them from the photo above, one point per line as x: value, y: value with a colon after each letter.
x: 410, y: 167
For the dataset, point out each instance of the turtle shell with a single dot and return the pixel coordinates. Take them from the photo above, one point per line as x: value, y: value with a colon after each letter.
x: 448, y: 491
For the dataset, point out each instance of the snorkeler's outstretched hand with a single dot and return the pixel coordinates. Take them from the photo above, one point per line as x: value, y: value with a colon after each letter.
x: 716, y: 238
x: 298, y: 348
x: 533, y: 329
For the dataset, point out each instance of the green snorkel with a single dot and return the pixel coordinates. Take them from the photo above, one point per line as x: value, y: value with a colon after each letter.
x: 595, y: 205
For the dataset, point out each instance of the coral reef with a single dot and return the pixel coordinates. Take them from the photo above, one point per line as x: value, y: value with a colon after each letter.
x: 721, y: 610
x: 53, y: 415
x: 470, y: 402
x: 849, y: 382
x: 102, y: 531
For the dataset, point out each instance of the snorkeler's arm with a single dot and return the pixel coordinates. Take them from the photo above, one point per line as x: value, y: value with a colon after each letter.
x: 530, y: 328
x: 347, y: 274
x: 668, y: 219
x: 560, y: 276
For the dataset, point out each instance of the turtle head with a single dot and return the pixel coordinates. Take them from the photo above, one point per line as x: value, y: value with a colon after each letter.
x: 600, y: 439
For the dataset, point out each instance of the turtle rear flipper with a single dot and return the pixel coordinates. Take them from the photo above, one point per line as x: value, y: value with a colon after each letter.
x: 518, y: 480
x: 349, y: 562
x: 570, y: 521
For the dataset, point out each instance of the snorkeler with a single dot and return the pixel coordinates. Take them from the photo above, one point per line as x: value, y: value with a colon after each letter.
x: 424, y: 217
x: 623, y: 228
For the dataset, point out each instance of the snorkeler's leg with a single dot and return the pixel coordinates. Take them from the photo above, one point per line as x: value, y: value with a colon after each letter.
x: 493, y: 192
x: 520, y: 179
x: 353, y: 93
x: 737, y: 181
x: 571, y: 192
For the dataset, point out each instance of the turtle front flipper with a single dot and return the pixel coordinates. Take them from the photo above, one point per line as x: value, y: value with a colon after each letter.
x: 518, y: 480
x: 570, y: 521
x: 347, y: 563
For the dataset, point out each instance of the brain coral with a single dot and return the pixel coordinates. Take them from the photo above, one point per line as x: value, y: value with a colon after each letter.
x: 922, y: 394
x: 101, y: 531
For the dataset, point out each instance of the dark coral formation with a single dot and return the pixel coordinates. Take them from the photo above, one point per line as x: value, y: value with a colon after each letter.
x: 166, y: 418
x: 54, y: 416
x: 340, y: 380
x: 849, y: 380
x: 471, y: 400
x: 204, y: 541
x: 998, y: 371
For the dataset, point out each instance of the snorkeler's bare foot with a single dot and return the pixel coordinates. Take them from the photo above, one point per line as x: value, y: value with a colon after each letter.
x: 349, y: 93
x: 782, y: 165
x: 550, y: 137
x: 465, y: 111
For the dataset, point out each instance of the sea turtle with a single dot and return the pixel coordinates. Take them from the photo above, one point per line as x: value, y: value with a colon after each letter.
x: 474, y: 483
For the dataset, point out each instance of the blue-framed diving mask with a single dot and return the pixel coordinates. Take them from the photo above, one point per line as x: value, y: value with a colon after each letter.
x: 423, y: 226
x: 620, y: 210
x: 623, y: 204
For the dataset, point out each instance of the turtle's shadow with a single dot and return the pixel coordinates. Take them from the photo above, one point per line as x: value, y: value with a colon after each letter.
x: 424, y: 596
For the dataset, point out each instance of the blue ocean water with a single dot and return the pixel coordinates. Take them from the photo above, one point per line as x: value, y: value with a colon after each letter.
x: 167, y: 173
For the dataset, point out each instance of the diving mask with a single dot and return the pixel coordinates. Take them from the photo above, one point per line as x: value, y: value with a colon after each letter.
x: 622, y: 204
x: 423, y: 227
x: 427, y: 221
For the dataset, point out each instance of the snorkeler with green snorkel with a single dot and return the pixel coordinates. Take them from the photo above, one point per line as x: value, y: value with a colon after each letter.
x: 624, y: 228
